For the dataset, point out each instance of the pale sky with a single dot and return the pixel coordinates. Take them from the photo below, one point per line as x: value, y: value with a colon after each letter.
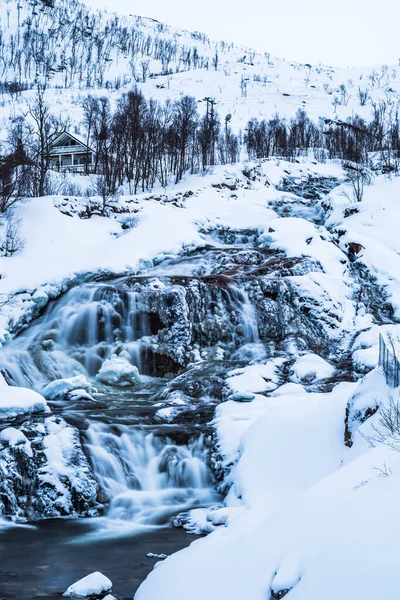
x: 337, y: 32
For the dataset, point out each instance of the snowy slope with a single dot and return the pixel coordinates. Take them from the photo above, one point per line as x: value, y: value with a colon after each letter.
x: 76, y: 51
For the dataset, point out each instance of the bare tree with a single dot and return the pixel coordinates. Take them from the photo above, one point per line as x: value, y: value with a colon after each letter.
x: 358, y: 177
x: 363, y: 96
x: 101, y: 187
x: 46, y: 128
x: 10, y: 183
x: 13, y: 240
x: 215, y: 59
x: 243, y: 86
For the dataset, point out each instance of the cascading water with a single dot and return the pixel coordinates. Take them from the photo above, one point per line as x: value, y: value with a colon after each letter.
x: 144, y: 477
x: 153, y: 326
x: 147, y: 478
x: 78, y: 332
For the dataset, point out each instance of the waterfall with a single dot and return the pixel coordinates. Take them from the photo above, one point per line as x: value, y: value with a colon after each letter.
x: 78, y: 332
x: 144, y: 323
x: 248, y: 326
x: 146, y: 478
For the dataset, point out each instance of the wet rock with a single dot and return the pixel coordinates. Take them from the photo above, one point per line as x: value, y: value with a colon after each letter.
x: 354, y: 249
x: 308, y: 186
x: 242, y: 396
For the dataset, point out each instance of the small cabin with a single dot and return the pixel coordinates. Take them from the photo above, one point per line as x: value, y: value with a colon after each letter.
x: 69, y: 152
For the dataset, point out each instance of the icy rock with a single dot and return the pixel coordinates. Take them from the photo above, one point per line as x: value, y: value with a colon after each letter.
x: 255, y: 378
x: 364, y: 402
x: 16, y: 401
x: 167, y: 414
x: 94, y: 585
x: 118, y: 371
x: 13, y: 437
x: 59, y: 388
x: 79, y: 394
x: 311, y: 368
x: 242, y: 396
x: 44, y: 472
x: 40, y: 298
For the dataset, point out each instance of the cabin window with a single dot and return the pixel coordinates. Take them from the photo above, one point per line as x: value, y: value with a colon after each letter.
x: 82, y: 159
x: 66, y: 160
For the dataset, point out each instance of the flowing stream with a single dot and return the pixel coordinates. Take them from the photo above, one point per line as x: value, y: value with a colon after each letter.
x: 147, y: 469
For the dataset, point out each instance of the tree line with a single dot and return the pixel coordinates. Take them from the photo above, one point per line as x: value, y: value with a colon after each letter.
x: 144, y: 142
x: 354, y: 139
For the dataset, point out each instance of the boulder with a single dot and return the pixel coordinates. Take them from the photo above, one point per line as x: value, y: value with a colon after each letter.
x: 93, y: 586
x: 60, y: 388
x: 118, y: 371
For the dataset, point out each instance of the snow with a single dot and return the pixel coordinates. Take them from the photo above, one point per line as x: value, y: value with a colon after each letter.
x: 374, y: 225
x: 118, y: 371
x: 16, y: 401
x: 13, y: 437
x: 287, y: 575
x: 95, y: 584
x: 310, y: 368
x: 59, y: 388
x: 255, y: 378
x: 289, y: 388
x: 303, y: 512
x: 301, y: 501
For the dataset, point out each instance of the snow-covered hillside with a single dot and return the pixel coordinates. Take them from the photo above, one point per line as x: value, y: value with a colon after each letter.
x: 206, y: 353
x: 76, y: 52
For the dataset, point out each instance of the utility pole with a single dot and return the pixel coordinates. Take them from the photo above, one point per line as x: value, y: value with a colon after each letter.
x: 209, y: 129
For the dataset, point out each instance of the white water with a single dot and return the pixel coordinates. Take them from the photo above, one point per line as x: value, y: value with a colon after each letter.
x: 144, y: 479
x: 147, y: 479
x: 92, y: 322
x: 77, y: 333
x: 248, y: 317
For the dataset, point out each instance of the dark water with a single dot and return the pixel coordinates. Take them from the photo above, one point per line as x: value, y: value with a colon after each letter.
x: 41, y: 562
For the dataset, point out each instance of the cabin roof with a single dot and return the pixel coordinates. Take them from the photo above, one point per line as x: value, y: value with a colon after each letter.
x: 64, y: 136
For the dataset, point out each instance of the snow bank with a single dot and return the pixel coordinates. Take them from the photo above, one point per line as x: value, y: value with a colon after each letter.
x: 372, y: 225
x: 303, y: 493
x: 95, y: 585
x: 287, y: 576
x: 16, y: 401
